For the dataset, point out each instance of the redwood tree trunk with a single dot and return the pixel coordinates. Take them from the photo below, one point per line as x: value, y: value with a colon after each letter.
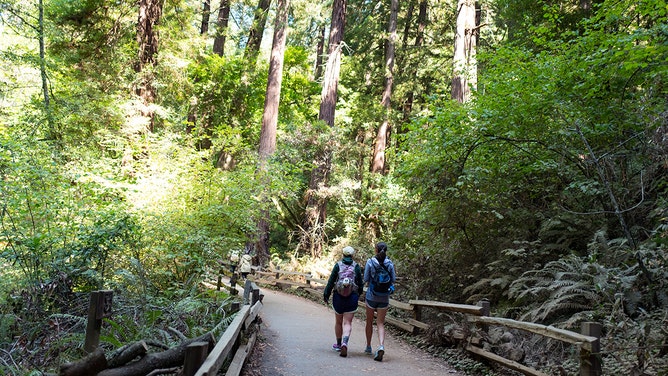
x: 320, y: 49
x: 270, y: 121
x: 256, y: 31
x: 150, y: 12
x: 419, y: 40
x: 221, y: 27
x: 378, y: 164
x: 206, y: 13
x: 313, y: 230
x: 465, y: 66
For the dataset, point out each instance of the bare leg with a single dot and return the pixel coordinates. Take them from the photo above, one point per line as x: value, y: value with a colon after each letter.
x: 347, y: 324
x: 338, y: 326
x: 380, y: 323
x: 369, y: 325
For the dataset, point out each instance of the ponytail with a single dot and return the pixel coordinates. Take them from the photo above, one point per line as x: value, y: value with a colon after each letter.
x: 381, y: 249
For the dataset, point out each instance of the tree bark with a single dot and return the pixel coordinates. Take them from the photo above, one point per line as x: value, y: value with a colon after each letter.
x: 320, y: 49
x: 150, y: 12
x: 313, y: 229
x: 221, y: 27
x: 379, y: 164
x: 127, y: 353
x: 419, y: 40
x: 206, y: 13
x: 256, y: 31
x: 465, y: 65
x: 53, y: 133
x: 90, y: 365
x: 270, y: 122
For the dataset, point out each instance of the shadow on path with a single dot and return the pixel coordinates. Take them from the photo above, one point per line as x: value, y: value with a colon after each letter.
x: 297, y: 336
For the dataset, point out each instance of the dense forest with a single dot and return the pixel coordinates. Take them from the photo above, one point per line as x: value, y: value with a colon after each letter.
x: 511, y: 150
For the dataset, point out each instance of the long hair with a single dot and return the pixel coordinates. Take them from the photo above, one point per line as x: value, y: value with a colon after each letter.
x: 381, y: 254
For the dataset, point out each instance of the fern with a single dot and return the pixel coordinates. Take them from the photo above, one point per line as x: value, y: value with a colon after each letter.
x: 568, y: 286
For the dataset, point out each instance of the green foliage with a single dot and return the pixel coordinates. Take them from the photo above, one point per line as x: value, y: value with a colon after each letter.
x: 191, y: 315
x: 508, y: 197
x: 567, y: 286
x: 229, y: 100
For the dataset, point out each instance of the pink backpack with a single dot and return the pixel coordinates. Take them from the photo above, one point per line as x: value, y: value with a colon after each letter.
x: 345, y: 284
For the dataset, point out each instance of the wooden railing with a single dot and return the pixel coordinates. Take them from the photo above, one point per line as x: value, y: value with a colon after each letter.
x: 588, y: 340
x: 199, y: 356
x: 244, y: 320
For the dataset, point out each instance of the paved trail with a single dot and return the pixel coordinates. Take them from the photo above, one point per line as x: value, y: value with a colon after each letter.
x: 297, y: 340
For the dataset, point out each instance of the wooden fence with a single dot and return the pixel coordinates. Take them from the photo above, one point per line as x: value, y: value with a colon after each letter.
x: 230, y: 340
x: 200, y: 356
x: 588, y: 341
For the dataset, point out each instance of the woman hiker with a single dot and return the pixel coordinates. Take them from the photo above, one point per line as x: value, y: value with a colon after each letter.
x: 380, y: 274
x: 345, y: 281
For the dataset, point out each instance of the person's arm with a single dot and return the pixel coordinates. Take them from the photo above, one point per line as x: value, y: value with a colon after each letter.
x: 367, y: 271
x: 330, y: 282
x: 359, y: 280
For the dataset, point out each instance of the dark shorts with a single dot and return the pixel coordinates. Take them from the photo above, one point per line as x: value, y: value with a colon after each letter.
x: 376, y: 305
x: 345, y: 304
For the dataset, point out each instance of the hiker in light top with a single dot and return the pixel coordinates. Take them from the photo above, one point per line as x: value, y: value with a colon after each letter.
x: 345, y: 282
x: 245, y: 264
x: 380, y: 275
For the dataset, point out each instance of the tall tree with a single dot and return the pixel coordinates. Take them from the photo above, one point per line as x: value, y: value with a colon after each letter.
x: 270, y: 120
x: 313, y: 229
x: 35, y: 24
x: 150, y: 12
x: 464, y: 75
x: 221, y: 27
x: 320, y: 49
x: 206, y: 13
x: 256, y: 31
x: 419, y: 40
x: 378, y: 163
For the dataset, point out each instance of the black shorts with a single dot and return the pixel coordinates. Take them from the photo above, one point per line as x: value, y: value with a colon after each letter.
x: 345, y: 304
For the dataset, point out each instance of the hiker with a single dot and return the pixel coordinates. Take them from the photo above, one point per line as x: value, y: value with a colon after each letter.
x: 234, y: 260
x: 380, y: 275
x: 245, y: 264
x: 345, y: 282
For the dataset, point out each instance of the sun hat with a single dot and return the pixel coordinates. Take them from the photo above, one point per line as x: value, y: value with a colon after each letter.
x: 348, y: 251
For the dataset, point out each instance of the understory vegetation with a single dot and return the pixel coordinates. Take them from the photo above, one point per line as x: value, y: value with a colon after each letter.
x: 546, y: 193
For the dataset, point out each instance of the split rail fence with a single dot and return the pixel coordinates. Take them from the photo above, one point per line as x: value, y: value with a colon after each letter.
x: 203, y: 356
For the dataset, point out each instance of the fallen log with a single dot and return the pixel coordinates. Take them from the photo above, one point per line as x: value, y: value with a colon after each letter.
x: 128, y: 353
x: 89, y: 365
x: 160, y: 360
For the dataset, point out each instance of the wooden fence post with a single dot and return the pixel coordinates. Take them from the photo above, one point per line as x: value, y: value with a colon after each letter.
x: 486, y: 310
x: 195, y: 356
x: 221, y: 271
x: 590, y: 362
x: 99, y: 308
x: 233, y: 284
x: 248, y: 286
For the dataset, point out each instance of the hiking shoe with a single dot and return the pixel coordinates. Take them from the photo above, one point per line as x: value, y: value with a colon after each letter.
x: 336, y: 347
x: 379, y: 354
x: 368, y: 350
x: 344, y: 350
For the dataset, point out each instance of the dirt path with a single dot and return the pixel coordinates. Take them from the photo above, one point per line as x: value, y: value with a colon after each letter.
x: 297, y: 336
